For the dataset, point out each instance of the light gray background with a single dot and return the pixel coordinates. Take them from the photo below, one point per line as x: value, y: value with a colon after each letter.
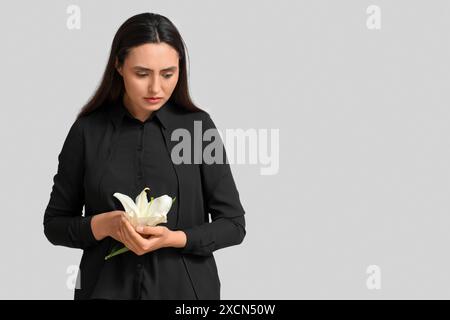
x: 364, y: 138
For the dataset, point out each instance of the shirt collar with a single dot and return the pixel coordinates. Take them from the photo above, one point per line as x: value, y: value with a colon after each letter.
x: 118, y: 111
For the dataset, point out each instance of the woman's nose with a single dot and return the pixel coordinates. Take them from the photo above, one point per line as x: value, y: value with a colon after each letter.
x: 154, y: 85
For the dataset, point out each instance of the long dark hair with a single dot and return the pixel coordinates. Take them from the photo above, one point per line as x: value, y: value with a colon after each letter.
x: 140, y: 29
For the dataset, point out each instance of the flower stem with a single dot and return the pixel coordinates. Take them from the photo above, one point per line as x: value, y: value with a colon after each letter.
x: 115, y: 253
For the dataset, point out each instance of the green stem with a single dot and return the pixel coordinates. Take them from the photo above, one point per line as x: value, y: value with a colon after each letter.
x: 115, y: 253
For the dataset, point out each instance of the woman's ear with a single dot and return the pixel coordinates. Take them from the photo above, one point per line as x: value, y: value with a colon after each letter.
x: 119, y: 69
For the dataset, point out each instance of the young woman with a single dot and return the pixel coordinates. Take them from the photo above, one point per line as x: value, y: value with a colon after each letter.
x: 123, y: 141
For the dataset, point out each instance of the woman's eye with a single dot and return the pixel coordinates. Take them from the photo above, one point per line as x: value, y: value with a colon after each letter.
x: 167, y: 76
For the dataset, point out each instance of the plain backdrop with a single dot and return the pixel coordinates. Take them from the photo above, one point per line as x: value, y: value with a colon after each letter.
x: 363, y: 118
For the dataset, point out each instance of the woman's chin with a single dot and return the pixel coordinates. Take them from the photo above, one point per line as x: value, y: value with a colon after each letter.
x: 152, y: 107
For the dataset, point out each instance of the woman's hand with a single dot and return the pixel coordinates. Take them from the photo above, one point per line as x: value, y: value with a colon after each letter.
x: 161, y: 236
x: 116, y: 225
x: 121, y: 230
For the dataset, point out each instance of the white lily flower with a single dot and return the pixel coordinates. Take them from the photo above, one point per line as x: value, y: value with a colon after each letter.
x: 144, y: 213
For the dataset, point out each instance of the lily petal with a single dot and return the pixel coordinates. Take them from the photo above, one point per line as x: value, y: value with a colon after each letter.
x: 151, y: 221
x: 142, y: 202
x: 128, y: 204
x: 159, y: 206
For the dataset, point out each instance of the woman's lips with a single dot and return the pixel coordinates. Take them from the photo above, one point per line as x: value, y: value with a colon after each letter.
x: 152, y: 100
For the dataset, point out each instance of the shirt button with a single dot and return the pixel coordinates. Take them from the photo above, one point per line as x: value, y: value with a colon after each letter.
x: 139, y: 265
x: 139, y: 148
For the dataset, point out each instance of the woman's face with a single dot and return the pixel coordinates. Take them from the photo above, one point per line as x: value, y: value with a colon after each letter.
x: 149, y: 70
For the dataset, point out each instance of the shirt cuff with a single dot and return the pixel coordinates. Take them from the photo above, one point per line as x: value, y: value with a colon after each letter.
x: 86, y: 231
x: 196, y: 242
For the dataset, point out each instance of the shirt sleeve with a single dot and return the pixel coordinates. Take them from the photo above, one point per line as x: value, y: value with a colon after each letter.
x: 227, y: 227
x: 64, y: 224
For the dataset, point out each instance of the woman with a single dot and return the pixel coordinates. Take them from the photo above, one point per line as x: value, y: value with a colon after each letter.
x: 125, y: 139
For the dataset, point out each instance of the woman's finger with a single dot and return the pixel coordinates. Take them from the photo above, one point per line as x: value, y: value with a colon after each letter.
x: 127, y: 240
x: 152, y: 231
x: 153, y: 243
x: 136, y: 238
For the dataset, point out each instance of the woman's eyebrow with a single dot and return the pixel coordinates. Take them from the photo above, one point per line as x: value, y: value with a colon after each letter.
x: 173, y: 68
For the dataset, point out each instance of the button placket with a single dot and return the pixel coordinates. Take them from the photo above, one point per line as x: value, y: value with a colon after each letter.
x: 141, y: 137
x: 139, y: 276
x: 140, y: 173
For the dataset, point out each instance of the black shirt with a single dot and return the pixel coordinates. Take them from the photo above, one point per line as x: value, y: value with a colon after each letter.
x: 110, y: 151
x: 140, y: 160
